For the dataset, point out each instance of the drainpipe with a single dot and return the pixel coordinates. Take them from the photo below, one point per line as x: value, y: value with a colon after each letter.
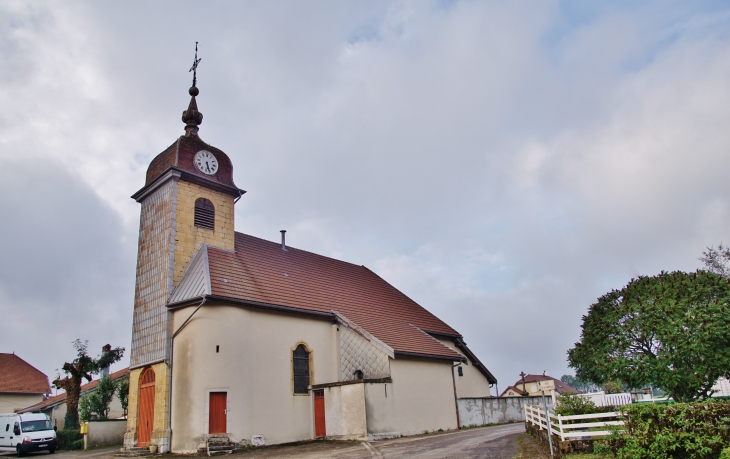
x: 169, y: 371
x: 456, y: 400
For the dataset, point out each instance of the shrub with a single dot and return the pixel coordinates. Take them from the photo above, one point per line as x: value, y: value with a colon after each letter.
x: 570, y: 404
x: 725, y: 454
x: 69, y: 439
x: 696, y: 430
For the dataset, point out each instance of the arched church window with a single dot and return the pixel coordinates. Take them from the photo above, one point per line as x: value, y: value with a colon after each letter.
x: 204, y: 214
x: 300, y: 361
x: 358, y: 374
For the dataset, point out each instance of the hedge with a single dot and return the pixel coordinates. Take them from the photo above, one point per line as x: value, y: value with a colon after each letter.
x: 70, y: 439
x: 698, y: 430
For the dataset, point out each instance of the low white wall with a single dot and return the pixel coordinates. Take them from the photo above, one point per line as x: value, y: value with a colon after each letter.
x: 496, y: 410
x: 345, y: 412
x: 102, y: 433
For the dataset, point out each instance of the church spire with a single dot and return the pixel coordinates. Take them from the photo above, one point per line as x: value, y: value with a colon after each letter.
x: 192, y: 117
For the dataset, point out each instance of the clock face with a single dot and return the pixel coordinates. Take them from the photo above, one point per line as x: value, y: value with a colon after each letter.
x: 206, y: 162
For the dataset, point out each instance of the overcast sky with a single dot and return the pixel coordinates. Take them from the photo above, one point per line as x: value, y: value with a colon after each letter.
x: 502, y: 163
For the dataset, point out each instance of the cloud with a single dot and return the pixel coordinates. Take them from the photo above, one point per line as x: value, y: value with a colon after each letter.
x: 66, y: 272
x: 504, y: 164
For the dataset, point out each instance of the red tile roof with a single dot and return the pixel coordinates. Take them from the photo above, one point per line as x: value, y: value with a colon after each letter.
x: 19, y: 377
x: 61, y: 398
x: 260, y: 271
x: 513, y: 389
x: 560, y: 386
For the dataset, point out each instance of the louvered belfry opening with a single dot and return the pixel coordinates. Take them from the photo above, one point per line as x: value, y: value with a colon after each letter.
x: 204, y: 214
x: 301, y: 370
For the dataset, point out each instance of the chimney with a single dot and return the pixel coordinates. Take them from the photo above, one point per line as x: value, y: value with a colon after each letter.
x: 105, y: 370
x: 283, y: 240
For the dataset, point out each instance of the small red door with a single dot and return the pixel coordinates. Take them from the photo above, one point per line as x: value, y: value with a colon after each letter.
x: 217, y: 413
x: 146, y: 417
x: 320, y: 428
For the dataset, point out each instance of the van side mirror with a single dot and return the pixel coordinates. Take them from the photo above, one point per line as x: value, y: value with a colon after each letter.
x: 16, y: 430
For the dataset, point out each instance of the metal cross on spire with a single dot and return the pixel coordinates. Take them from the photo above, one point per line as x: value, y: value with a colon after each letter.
x: 196, y: 61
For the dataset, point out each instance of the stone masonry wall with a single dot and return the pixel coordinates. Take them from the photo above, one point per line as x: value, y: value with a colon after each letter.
x: 496, y: 410
x: 160, y: 434
x: 189, y: 237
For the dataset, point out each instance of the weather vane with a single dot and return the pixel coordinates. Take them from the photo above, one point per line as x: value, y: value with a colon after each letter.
x: 196, y: 61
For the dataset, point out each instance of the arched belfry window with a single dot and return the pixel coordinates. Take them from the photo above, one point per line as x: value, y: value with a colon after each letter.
x: 300, y: 361
x: 204, y: 214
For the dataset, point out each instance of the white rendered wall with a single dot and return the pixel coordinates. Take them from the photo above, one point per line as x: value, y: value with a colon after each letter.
x: 345, y: 412
x: 253, y: 365
x: 421, y: 398
x: 473, y: 383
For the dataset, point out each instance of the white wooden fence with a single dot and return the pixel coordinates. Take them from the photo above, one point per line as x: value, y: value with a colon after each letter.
x: 562, y: 426
x: 604, y: 399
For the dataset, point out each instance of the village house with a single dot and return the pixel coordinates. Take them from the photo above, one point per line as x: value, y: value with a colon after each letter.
x: 55, y: 406
x: 21, y: 384
x: 534, y: 385
x: 250, y: 339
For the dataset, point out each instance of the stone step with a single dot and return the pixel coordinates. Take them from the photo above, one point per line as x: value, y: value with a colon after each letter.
x: 221, y: 447
x: 134, y: 451
x: 220, y: 453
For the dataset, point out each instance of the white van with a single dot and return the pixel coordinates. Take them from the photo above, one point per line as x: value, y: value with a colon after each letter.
x: 26, y: 432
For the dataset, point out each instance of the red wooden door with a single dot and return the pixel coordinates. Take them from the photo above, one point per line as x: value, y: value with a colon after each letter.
x: 320, y: 428
x: 217, y: 413
x: 146, y: 417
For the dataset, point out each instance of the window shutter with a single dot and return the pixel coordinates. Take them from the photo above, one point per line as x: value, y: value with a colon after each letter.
x: 204, y: 214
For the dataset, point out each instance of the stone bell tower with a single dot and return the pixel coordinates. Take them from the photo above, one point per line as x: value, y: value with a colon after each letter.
x: 187, y: 200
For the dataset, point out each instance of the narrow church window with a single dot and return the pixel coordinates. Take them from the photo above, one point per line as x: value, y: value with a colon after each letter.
x: 204, y: 213
x: 300, y: 359
x: 358, y: 374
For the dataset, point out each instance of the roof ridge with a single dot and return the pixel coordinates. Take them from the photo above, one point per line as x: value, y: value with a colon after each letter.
x: 301, y: 250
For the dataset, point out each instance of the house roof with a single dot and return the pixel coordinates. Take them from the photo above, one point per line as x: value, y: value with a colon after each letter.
x: 513, y: 389
x: 261, y: 273
x: 19, y: 377
x: 61, y: 398
x: 560, y: 386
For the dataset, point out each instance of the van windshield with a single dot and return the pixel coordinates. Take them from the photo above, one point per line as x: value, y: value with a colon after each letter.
x: 36, y: 426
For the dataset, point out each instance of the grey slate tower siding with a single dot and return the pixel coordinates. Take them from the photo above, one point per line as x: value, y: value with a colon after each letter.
x: 150, y: 330
x: 357, y: 353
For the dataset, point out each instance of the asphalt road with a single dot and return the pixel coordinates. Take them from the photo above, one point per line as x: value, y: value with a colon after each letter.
x: 498, y: 442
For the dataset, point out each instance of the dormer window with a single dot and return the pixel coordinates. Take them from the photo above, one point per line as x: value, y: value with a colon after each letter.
x: 204, y: 214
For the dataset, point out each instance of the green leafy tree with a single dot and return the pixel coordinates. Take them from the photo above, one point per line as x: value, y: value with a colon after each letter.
x: 97, y: 400
x: 123, y: 392
x: 717, y: 260
x: 103, y: 396
x: 85, y: 410
x: 82, y: 367
x: 670, y: 331
x: 613, y: 387
x: 579, y: 384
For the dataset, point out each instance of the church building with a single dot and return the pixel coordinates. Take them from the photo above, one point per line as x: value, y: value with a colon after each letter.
x: 246, y: 338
